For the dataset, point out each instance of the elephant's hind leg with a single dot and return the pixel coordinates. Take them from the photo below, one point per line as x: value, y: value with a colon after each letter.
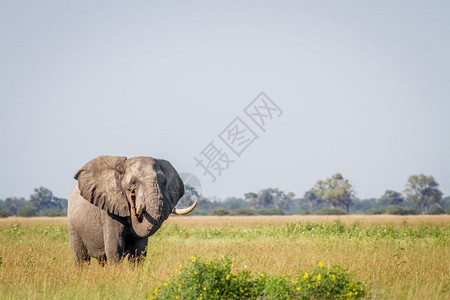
x: 79, y: 250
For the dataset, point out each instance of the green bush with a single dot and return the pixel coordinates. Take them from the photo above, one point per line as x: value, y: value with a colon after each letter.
x: 198, y: 212
x: 331, y: 211
x: 215, y: 280
x: 243, y: 212
x: 27, y: 211
x: 329, y: 283
x: 220, y: 212
x: 435, y: 210
x: 302, y: 212
x: 447, y: 211
x: 54, y: 213
x: 4, y: 214
x: 270, y: 212
x: 398, y: 210
x: 377, y: 211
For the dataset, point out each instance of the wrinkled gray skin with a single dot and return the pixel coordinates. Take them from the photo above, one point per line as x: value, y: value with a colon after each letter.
x: 102, y: 220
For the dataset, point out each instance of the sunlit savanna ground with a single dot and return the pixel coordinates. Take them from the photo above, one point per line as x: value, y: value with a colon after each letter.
x: 397, y: 257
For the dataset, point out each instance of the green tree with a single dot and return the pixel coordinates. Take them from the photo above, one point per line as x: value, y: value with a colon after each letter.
x: 233, y: 203
x: 252, y: 200
x: 28, y: 211
x: 336, y: 191
x: 42, y: 199
x: 270, y: 198
x: 190, y: 195
x: 312, y: 200
x: 12, y: 205
x: 391, y: 198
x: 423, y: 190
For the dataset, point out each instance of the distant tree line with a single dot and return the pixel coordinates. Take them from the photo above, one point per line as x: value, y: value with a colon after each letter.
x: 333, y: 195
x: 41, y: 203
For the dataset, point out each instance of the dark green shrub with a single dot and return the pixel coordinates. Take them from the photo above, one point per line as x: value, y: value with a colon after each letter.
x: 198, y: 212
x: 54, y: 213
x: 435, y: 210
x: 270, y: 212
x: 220, y: 212
x: 243, y: 212
x: 447, y: 211
x: 215, y: 280
x: 27, y: 211
x: 4, y: 214
x: 302, y: 212
x: 331, y: 211
x: 398, y: 210
x: 377, y: 211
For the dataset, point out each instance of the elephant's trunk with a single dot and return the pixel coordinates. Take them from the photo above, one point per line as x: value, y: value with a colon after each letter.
x: 147, y: 227
x: 148, y: 218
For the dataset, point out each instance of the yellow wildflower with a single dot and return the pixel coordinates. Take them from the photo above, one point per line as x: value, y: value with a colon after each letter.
x: 177, y: 297
x: 333, y: 277
x: 156, y: 290
x: 164, y: 283
x: 262, y: 274
x: 320, y: 264
x: 228, y: 276
x: 299, y: 288
x: 284, y: 275
x: 305, y: 276
x: 204, y: 288
x: 318, y: 277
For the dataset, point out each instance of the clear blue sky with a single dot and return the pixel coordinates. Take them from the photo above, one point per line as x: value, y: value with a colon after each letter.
x: 364, y: 89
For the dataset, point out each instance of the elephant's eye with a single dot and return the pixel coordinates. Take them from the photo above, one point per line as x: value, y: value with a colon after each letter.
x: 133, y: 184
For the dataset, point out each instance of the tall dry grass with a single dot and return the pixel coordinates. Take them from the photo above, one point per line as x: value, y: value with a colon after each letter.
x: 411, y: 263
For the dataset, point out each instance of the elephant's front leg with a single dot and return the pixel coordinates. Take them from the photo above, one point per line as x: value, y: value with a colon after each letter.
x: 113, y: 237
x: 114, y: 246
x: 137, y: 248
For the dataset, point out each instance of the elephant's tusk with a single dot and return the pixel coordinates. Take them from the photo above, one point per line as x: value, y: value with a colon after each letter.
x: 139, y: 211
x: 183, y: 211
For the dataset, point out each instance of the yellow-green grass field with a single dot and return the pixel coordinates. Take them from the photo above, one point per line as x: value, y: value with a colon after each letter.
x: 396, y: 257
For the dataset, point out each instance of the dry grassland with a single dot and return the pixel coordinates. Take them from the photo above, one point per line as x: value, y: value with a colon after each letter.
x: 398, y: 257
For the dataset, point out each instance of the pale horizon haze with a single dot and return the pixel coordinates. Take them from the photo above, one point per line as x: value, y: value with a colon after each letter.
x: 364, y: 89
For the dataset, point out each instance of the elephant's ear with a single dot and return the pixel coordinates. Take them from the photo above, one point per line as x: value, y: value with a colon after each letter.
x: 99, y: 182
x: 174, y: 185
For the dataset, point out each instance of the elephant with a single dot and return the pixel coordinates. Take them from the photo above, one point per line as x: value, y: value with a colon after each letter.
x: 118, y: 203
